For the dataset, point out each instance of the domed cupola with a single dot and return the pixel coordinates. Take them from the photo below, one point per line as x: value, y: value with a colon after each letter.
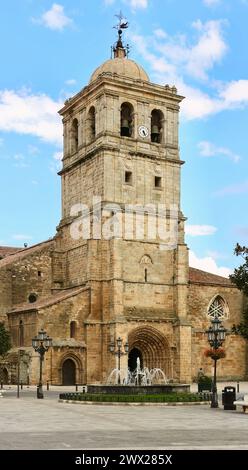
x: 120, y: 64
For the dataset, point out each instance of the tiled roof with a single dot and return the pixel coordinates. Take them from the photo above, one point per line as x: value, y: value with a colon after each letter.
x: 7, y: 250
x: 19, y: 253
x: 197, y: 276
x: 51, y: 300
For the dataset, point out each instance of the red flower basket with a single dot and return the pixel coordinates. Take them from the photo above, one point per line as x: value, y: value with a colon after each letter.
x: 218, y: 353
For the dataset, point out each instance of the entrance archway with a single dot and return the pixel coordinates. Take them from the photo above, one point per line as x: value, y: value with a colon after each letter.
x: 152, y: 347
x: 69, y: 372
x: 132, y: 359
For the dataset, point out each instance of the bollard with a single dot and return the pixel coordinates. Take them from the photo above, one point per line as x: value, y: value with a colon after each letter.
x: 47, y: 385
x: 238, y: 387
x: 21, y: 385
x: 1, y: 385
x: 76, y: 387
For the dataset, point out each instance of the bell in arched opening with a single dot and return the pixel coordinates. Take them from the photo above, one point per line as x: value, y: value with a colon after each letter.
x: 156, y: 126
x: 126, y: 120
x: 125, y: 129
x: 155, y: 133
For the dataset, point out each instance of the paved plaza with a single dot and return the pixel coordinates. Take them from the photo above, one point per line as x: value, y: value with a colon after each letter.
x: 29, y: 423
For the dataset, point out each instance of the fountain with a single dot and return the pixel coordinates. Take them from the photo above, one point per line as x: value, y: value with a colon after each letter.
x: 139, y: 377
x: 139, y: 381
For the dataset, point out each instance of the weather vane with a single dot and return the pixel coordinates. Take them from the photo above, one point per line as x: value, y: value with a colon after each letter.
x: 122, y: 24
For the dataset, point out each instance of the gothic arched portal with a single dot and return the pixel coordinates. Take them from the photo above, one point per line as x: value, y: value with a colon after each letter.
x: 152, y: 347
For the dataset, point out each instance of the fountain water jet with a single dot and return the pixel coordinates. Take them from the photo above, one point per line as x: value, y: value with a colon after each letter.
x: 139, y: 377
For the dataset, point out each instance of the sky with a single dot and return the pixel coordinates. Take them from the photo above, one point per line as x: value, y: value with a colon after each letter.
x: 49, y: 50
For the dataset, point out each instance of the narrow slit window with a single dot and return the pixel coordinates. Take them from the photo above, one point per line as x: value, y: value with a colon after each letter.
x: 128, y: 177
x: 158, y: 182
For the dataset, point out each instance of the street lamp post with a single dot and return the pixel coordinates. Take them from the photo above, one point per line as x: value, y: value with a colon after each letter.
x: 20, y: 354
x: 216, y: 336
x: 41, y: 343
x: 118, y: 352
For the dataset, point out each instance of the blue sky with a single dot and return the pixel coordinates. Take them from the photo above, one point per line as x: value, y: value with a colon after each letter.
x: 48, y: 52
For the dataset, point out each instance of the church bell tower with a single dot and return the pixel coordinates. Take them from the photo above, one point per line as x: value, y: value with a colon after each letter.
x: 120, y: 181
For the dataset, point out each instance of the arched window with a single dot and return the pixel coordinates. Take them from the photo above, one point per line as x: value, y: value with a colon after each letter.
x: 74, y: 135
x: 126, y: 129
x: 217, y: 308
x: 21, y: 333
x: 73, y: 327
x: 157, y: 126
x: 91, y: 124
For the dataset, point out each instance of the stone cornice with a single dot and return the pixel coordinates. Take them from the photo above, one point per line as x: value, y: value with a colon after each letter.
x: 107, y: 84
x: 110, y: 148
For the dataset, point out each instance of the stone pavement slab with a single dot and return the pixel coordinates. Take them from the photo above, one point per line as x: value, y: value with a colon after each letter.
x: 29, y: 423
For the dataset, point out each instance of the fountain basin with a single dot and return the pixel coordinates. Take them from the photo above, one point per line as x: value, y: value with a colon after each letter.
x: 139, y: 389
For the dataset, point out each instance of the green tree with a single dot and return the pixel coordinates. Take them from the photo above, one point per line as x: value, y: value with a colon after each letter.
x: 5, y: 343
x: 240, y: 278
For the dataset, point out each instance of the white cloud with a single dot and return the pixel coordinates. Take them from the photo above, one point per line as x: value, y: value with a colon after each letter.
x: 71, y: 81
x: 135, y: 4
x: 56, y: 164
x: 208, y: 149
x: 58, y: 156
x: 173, y: 58
x: 160, y: 33
x: 216, y: 255
x: 195, y: 59
x: 25, y: 113
x: 211, y: 3
x: 138, y: 3
x: 55, y: 18
x: 208, y: 264
x: 235, y: 92
x: 20, y: 236
x: 200, y: 230
x: 238, y: 188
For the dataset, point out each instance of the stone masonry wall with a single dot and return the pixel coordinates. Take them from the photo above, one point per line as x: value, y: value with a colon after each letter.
x: 234, y: 364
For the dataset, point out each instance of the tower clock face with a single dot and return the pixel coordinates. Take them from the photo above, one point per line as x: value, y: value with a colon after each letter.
x: 143, y: 131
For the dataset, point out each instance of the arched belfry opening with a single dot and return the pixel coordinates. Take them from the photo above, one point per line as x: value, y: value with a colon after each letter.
x: 126, y: 129
x: 74, y: 135
x: 157, y: 119
x: 152, y: 347
x: 91, y: 124
x: 133, y: 355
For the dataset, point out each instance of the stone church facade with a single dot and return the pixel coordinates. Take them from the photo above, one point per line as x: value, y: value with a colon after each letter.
x: 98, y: 278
